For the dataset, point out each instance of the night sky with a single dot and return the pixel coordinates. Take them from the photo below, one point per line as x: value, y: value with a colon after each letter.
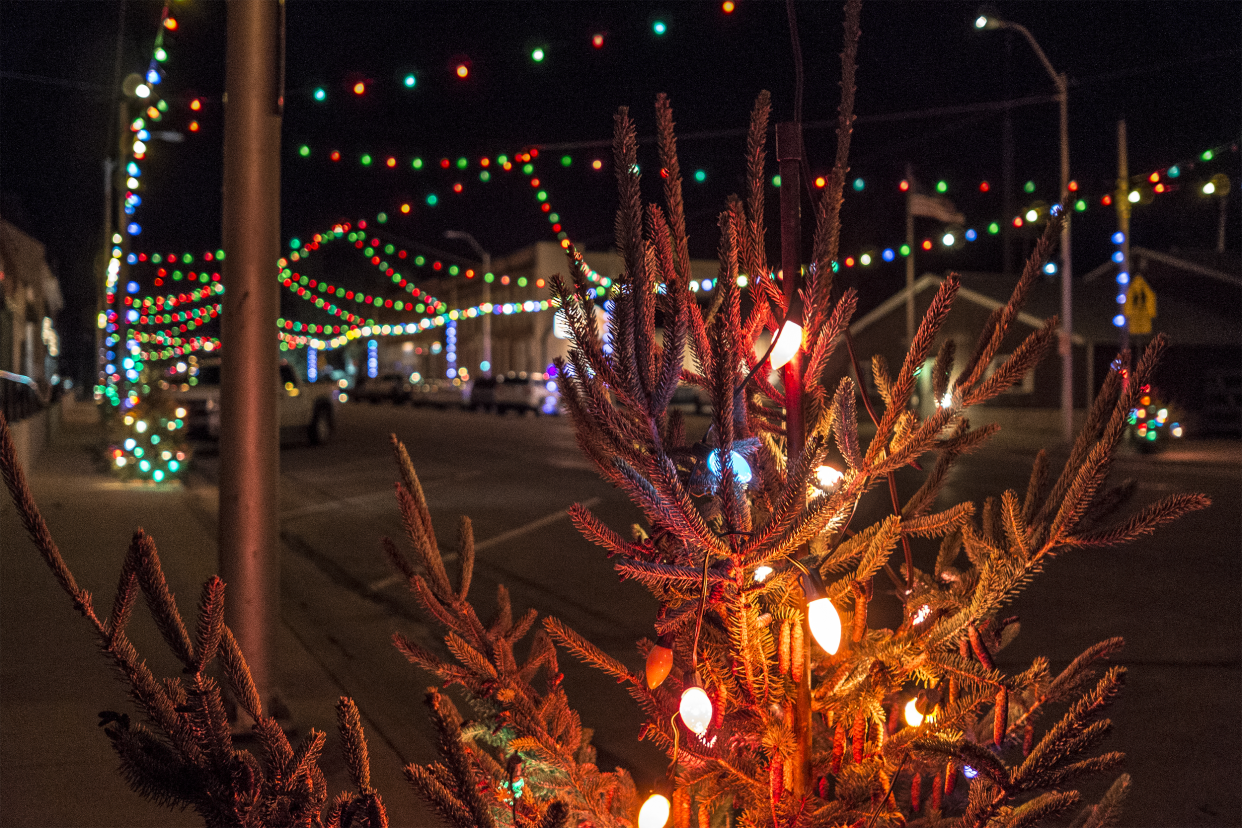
x: 1172, y: 70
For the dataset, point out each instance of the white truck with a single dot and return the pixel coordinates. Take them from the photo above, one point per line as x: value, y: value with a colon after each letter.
x: 306, y: 408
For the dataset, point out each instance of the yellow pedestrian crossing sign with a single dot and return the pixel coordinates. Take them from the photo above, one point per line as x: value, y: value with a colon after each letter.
x: 1140, y: 306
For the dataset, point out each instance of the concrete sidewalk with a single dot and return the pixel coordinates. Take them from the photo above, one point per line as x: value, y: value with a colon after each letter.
x: 56, y: 767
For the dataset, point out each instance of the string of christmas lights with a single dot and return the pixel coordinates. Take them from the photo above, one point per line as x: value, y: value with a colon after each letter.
x: 949, y: 239
x: 370, y: 249
x: 1158, y: 178
x: 318, y: 301
x: 172, y: 300
x: 127, y: 362
x: 153, y: 447
x: 186, y: 320
x: 462, y: 68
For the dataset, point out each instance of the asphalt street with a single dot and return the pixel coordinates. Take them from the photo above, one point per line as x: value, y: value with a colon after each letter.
x: 1175, y: 597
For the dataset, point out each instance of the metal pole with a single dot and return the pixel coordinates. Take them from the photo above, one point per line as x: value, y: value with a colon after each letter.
x: 909, y: 259
x: 124, y: 147
x: 249, y: 439
x: 1220, y: 228
x: 1066, y: 339
x: 101, y: 280
x: 1122, y: 199
x: 1008, y: 186
x: 486, y: 260
x: 1067, y: 327
x: 450, y: 357
x: 487, y: 315
x: 789, y: 156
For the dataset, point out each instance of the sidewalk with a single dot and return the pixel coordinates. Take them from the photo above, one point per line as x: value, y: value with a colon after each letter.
x: 56, y: 766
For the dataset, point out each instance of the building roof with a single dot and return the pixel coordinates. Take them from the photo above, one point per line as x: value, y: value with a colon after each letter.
x: 1198, y: 298
x: 988, y: 291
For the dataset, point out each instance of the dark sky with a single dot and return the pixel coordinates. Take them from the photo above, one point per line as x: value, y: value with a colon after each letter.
x: 1171, y: 69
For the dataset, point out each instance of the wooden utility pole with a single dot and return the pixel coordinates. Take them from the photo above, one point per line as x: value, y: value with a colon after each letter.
x: 249, y: 435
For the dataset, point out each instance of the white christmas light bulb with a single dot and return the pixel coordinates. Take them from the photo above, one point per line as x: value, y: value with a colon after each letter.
x: 696, y: 707
x: 827, y: 478
x: 654, y: 813
x: 825, y: 624
x: 788, y: 341
x: 821, y: 615
x: 913, y: 717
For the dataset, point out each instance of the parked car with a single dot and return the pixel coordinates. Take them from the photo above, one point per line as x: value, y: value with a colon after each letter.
x: 515, y: 391
x: 392, y: 387
x: 441, y: 393
x: 308, y: 408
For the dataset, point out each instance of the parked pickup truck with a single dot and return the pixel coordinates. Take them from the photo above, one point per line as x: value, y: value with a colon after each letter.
x: 305, y: 408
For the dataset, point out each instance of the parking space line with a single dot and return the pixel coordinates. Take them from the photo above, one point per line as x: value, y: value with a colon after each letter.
x: 371, y: 497
x: 496, y: 540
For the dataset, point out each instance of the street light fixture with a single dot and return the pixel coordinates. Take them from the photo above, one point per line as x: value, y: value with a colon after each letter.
x: 486, y: 259
x: 988, y: 21
x: 1218, y: 186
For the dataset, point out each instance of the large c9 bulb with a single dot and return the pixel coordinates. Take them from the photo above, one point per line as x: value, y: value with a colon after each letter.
x: 788, y: 341
x: 659, y: 662
x: 825, y: 624
x: 654, y: 813
x: 828, y: 478
x: 913, y: 717
x: 696, y: 708
x: 821, y: 615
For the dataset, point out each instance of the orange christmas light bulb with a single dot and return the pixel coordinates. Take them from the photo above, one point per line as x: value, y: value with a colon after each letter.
x: 659, y: 661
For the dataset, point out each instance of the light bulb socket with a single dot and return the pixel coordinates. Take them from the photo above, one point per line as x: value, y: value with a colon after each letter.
x: 795, y: 310
x: 813, y: 584
x: 666, y: 640
x: 926, y: 701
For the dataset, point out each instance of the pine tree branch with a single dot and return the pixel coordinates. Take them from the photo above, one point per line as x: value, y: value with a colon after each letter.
x: 354, y: 745
x: 1143, y: 522
x: 210, y: 623
x: 586, y: 651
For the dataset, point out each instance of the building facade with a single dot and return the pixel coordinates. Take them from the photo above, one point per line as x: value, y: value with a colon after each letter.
x: 30, y: 299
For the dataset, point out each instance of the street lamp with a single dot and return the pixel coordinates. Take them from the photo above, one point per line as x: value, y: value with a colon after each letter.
x: 987, y: 21
x: 1218, y: 186
x: 486, y: 259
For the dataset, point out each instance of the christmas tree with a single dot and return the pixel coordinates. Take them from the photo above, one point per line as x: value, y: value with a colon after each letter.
x: 776, y: 699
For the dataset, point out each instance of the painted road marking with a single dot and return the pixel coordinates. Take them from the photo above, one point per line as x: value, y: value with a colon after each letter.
x: 496, y: 540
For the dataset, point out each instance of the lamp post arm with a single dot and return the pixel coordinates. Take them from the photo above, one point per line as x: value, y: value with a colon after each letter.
x: 461, y: 235
x: 1057, y: 79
